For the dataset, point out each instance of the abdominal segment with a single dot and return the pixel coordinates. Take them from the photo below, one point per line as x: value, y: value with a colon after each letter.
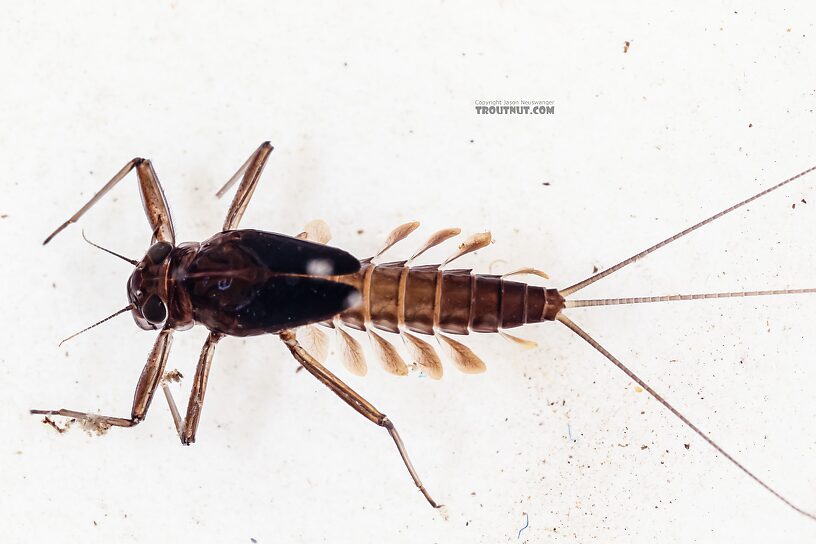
x: 424, y: 298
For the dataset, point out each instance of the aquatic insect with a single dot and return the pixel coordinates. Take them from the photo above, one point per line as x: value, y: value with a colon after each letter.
x: 244, y: 282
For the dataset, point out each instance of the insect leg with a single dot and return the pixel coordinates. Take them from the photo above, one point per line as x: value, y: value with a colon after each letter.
x: 353, y: 399
x: 155, y: 205
x: 251, y: 170
x: 148, y: 382
x: 187, y: 428
x: 177, y: 421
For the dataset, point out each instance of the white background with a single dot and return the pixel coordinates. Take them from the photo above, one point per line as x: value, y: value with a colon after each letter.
x: 371, y: 111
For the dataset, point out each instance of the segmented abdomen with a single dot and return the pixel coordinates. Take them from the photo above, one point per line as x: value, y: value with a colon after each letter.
x: 424, y: 298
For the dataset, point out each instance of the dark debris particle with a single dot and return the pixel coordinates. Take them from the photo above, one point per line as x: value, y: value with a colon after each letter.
x: 253, y: 541
x: 687, y: 446
x: 172, y: 376
x: 644, y: 446
x: 594, y: 269
x: 803, y: 201
x: 3, y: 215
x: 750, y: 125
x: 360, y: 231
x: 626, y: 47
x: 471, y: 141
x: 298, y: 369
x: 50, y: 422
x: 545, y: 183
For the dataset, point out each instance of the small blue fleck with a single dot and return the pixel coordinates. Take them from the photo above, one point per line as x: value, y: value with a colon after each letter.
x: 224, y: 284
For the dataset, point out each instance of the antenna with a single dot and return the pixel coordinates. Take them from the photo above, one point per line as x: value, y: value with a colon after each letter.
x: 131, y: 261
x: 123, y: 310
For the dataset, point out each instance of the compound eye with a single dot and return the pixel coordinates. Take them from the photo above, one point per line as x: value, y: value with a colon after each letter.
x: 153, y: 309
x: 158, y: 252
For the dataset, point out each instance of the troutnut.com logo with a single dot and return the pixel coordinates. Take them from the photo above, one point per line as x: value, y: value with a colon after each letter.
x: 515, y: 107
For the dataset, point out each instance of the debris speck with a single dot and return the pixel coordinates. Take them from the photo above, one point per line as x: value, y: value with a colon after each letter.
x: 545, y: 183
x: 626, y: 46
x: 594, y: 269
x: 92, y: 424
x: 526, y: 524
x: 3, y: 215
x: 298, y: 369
x: 687, y: 446
x: 172, y: 376
x: 644, y: 447
x: 360, y: 231
x: 50, y: 422
x: 750, y: 125
x: 443, y: 511
x: 252, y: 539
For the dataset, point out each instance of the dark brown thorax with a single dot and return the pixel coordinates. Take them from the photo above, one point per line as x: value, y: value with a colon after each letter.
x: 240, y: 283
